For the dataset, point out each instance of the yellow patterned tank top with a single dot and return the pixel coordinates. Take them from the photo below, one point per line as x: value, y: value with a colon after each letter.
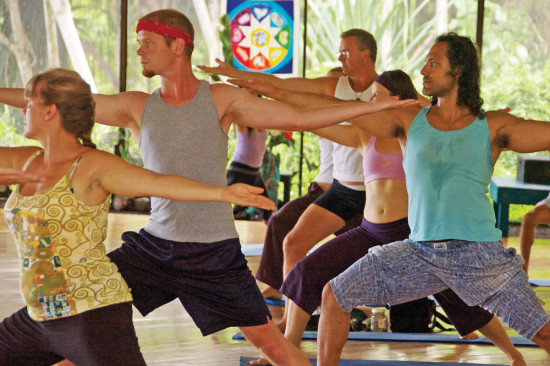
x: 64, y: 267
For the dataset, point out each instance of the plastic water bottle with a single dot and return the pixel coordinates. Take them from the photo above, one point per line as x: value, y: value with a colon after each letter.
x: 378, y: 320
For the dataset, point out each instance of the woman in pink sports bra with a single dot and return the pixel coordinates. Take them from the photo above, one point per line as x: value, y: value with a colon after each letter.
x: 78, y: 306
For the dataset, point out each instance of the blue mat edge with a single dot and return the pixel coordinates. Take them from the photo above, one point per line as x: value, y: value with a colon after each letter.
x: 243, y: 360
x: 413, y: 337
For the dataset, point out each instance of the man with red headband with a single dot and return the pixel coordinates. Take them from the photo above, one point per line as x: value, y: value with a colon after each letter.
x: 192, y: 251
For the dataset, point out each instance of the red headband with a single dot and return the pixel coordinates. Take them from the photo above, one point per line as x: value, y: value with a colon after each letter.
x: 165, y: 30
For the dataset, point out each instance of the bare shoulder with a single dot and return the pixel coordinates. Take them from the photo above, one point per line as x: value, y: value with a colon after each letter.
x: 329, y: 83
x: 224, y: 94
x: 134, y: 98
x: 496, y: 120
x: 500, y: 115
x: 95, y: 160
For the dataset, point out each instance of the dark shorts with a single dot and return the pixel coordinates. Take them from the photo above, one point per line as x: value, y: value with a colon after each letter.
x: 103, y: 336
x: 211, y: 280
x: 342, y: 201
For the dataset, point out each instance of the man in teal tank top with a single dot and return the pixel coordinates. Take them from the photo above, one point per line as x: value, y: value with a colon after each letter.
x: 450, y: 151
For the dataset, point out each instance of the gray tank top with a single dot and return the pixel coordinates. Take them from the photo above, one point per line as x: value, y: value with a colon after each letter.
x: 188, y: 141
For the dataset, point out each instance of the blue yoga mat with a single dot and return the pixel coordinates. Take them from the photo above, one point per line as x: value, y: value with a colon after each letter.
x: 252, y: 250
x: 540, y: 282
x: 414, y: 337
x: 244, y: 360
x: 275, y: 302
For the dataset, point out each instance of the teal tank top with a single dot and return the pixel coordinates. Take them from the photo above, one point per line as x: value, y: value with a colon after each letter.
x: 447, y: 175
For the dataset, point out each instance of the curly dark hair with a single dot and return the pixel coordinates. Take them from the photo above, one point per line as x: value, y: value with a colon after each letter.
x: 463, y: 58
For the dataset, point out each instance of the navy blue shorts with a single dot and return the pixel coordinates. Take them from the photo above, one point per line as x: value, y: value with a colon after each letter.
x: 211, y: 280
x: 342, y: 201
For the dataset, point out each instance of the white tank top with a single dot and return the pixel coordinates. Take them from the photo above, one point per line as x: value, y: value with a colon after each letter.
x: 348, y: 162
x: 326, y: 165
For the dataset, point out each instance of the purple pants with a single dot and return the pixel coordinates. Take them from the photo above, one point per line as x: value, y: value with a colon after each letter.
x: 304, y: 284
x: 270, y: 270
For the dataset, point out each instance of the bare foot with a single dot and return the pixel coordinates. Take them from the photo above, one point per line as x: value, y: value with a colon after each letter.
x: 64, y: 363
x: 517, y: 360
x: 270, y: 293
x: 470, y: 336
x: 261, y: 361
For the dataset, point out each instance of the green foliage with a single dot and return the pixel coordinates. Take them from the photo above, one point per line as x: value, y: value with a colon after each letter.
x: 8, y: 134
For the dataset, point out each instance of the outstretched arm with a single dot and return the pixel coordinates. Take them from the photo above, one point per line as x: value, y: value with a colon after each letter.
x: 388, y: 123
x: 117, y: 176
x: 324, y: 85
x: 245, y: 109
x: 517, y: 134
x: 341, y: 134
x: 13, y: 97
x: 121, y: 110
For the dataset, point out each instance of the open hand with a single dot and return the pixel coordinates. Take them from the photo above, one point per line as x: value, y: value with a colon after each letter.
x: 381, y: 103
x: 10, y: 176
x: 223, y: 68
x: 247, y: 195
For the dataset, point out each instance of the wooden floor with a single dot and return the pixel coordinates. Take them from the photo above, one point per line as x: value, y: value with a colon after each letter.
x: 168, y: 336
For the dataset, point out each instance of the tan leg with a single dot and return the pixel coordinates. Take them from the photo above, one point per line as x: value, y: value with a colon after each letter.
x: 540, y: 214
x: 296, y: 323
x: 333, y: 330
x: 542, y: 338
x: 314, y: 225
x: 496, y: 334
x: 269, y: 340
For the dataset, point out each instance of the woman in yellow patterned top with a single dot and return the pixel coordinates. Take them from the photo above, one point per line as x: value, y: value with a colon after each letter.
x: 78, y: 306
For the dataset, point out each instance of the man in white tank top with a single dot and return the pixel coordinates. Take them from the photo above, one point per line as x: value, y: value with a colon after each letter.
x: 330, y: 213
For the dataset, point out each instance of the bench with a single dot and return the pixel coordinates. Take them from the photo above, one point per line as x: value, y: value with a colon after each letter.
x: 506, y: 191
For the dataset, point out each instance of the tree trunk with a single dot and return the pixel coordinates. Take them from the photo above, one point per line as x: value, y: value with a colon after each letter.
x: 65, y: 22
x: 441, y: 14
x: 19, y: 45
x: 51, y: 36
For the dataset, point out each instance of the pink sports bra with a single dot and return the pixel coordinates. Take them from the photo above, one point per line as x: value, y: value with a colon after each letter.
x: 382, y: 166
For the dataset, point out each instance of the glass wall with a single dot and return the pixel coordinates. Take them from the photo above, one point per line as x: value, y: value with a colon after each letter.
x: 38, y: 35
x: 516, y: 63
x: 84, y: 35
